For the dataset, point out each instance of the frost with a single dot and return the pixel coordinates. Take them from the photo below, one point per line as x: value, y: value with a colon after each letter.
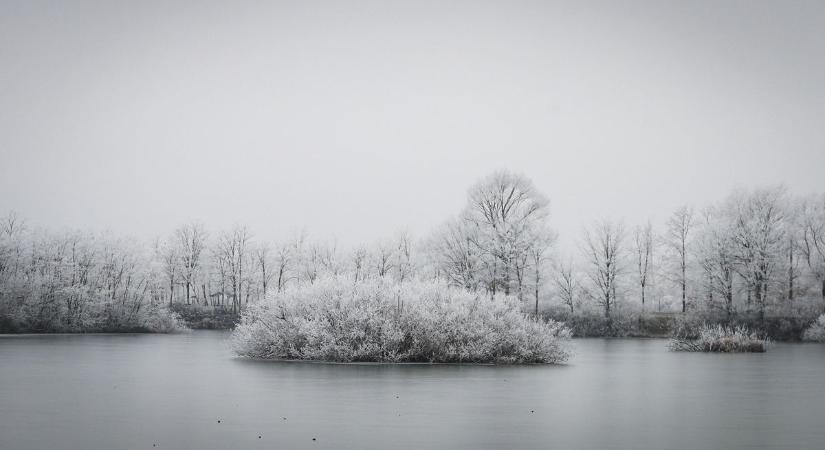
x: 339, y: 319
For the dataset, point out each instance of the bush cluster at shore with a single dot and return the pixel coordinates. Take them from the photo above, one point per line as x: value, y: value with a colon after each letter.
x: 339, y: 319
x: 200, y: 317
x: 816, y: 332
x: 722, y: 339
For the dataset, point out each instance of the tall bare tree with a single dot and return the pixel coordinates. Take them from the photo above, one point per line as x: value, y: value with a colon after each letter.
x: 504, y: 207
x: 191, y: 242
x: 759, y: 235
x: 233, y: 247
x: 603, y: 246
x: 537, y: 255
x: 813, y: 237
x: 677, y: 236
x: 265, y: 265
x: 643, y: 246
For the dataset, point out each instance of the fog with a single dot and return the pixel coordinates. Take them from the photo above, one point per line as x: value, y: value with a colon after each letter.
x: 354, y: 119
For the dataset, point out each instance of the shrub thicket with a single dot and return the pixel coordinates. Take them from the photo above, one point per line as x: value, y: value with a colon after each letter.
x: 816, y: 332
x: 719, y: 338
x: 338, y: 319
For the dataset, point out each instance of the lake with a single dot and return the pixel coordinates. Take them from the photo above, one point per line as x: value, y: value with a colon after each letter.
x: 170, y: 391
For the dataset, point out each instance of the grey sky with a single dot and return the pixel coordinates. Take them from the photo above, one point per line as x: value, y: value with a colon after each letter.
x: 354, y: 119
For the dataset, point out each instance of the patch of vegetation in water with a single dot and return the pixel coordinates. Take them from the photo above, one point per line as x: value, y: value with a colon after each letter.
x: 377, y: 320
x: 816, y: 332
x: 721, y: 339
x: 201, y: 317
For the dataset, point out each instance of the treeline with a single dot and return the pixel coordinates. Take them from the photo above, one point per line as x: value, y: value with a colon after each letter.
x: 754, y: 257
x: 756, y: 254
x: 77, y: 282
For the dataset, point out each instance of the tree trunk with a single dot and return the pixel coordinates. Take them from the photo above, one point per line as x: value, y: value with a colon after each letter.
x: 643, y: 297
x: 607, y: 305
x: 823, y: 289
x: 790, y: 275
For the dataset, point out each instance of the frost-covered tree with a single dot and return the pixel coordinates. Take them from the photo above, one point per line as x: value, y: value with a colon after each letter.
x: 404, y: 260
x: 537, y: 257
x: 359, y: 261
x: 759, y: 235
x: 677, y: 238
x: 567, y: 284
x: 717, y: 256
x: 78, y: 281
x: 643, y: 248
x: 232, y: 249
x: 603, y: 250
x: 504, y: 208
x: 812, y: 243
x: 384, y: 258
x: 191, y: 243
x: 168, y: 252
x: 265, y: 265
x: 489, y: 245
x: 458, y: 259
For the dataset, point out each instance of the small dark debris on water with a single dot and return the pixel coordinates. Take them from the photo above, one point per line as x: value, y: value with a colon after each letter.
x: 531, y: 411
x: 259, y: 437
x: 313, y: 439
x: 219, y: 420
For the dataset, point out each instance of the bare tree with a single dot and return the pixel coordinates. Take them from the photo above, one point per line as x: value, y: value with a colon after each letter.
x: 813, y: 238
x: 403, y: 255
x: 504, y: 207
x: 677, y: 235
x: 169, y: 255
x: 537, y: 255
x: 359, y: 261
x: 717, y: 255
x: 759, y: 235
x: 263, y: 261
x: 603, y: 245
x: 457, y: 257
x: 233, y: 247
x: 566, y: 284
x: 191, y: 242
x: 12, y: 228
x: 384, y: 258
x: 643, y: 246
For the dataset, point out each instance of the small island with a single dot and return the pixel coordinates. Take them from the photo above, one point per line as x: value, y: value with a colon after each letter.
x: 345, y: 319
x: 721, y: 339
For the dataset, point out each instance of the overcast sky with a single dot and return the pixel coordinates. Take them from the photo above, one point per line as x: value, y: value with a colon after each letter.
x: 355, y: 119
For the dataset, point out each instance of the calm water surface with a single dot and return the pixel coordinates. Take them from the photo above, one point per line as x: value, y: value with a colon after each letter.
x: 136, y: 391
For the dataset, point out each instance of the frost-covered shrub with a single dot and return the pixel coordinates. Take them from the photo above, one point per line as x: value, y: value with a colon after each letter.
x: 816, y: 332
x: 337, y: 319
x: 160, y: 319
x: 719, y: 338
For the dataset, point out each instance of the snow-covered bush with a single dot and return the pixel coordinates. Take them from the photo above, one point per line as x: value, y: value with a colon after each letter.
x: 816, y: 332
x: 719, y: 338
x: 338, y: 319
x: 160, y: 319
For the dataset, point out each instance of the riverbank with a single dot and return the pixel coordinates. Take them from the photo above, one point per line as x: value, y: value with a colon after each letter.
x: 199, y: 317
x: 666, y: 324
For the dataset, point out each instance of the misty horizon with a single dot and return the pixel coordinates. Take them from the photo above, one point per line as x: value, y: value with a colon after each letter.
x: 352, y: 122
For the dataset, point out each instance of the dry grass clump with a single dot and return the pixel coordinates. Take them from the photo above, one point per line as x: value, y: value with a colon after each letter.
x: 722, y: 339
